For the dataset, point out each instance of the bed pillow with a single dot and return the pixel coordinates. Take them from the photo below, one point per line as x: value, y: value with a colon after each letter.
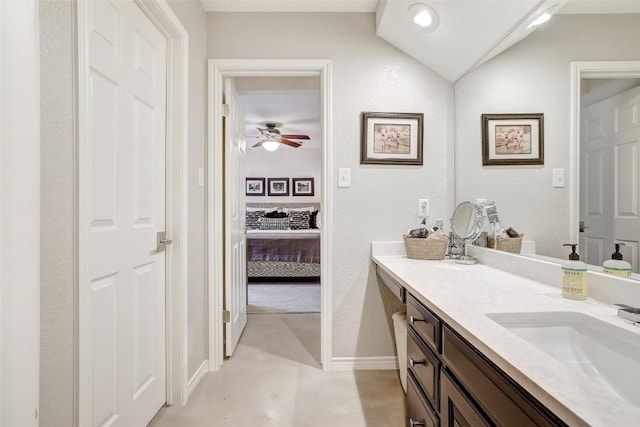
x: 258, y: 209
x: 275, y: 214
x: 273, y: 223
x: 299, y: 220
x: 252, y: 218
x: 313, y: 220
x: 307, y: 209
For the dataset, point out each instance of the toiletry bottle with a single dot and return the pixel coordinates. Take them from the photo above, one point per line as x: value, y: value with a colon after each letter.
x: 574, y: 276
x: 616, y: 265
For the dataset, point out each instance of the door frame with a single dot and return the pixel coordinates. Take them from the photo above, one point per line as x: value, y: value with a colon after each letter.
x: 218, y: 70
x: 587, y: 70
x: 176, y: 318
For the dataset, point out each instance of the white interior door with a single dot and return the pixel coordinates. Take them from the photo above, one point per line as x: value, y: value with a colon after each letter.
x: 596, y: 197
x: 235, y: 287
x: 626, y: 176
x: 122, y: 208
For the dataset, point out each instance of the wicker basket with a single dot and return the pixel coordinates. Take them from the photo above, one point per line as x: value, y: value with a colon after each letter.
x: 433, y: 247
x: 507, y: 244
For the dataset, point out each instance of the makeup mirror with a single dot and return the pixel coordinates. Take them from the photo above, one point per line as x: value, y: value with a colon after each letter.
x: 466, y: 224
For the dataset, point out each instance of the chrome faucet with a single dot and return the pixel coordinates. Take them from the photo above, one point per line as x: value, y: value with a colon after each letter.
x: 629, y: 314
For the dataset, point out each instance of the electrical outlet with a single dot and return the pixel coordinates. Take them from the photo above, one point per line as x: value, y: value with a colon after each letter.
x: 423, y: 207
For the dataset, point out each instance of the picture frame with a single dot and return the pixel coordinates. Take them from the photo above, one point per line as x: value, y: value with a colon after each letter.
x: 302, y: 186
x: 512, y: 139
x: 391, y: 138
x: 278, y: 186
x: 254, y: 187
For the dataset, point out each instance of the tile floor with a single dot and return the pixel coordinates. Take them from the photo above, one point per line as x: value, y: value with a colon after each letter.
x: 274, y: 379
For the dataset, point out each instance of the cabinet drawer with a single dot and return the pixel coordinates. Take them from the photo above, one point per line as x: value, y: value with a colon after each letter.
x: 506, y: 402
x: 419, y: 411
x: 425, y: 367
x: 458, y: 409
x: 424, y: 323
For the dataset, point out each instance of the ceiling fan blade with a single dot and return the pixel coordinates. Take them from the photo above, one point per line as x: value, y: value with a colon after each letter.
x: 258, y: 144
x: 290, y: 136
x: 290, y: 143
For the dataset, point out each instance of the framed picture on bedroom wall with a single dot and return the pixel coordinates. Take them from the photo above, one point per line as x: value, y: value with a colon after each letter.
x: 302, y: 186
x: 278, y: 186
x: 255, y: 187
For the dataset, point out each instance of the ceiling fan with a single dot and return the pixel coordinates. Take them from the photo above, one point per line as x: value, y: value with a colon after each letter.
x: 272, y: 138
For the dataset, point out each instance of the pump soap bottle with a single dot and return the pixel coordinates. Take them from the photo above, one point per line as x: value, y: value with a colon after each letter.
x: 616, y: 265
x: 574, y: 276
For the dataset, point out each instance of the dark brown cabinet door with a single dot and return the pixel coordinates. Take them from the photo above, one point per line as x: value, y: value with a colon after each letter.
x: 456, y: 409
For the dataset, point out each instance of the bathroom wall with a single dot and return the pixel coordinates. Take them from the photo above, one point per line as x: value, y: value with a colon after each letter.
x: 192, y: 16
x: 57, y: 288
x: 533, y: 77
x: 285, y: 162
x: 57, y: 23
x: 381, y: 204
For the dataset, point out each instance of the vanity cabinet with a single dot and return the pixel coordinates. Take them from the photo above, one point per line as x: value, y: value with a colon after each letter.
x: 456, y: 384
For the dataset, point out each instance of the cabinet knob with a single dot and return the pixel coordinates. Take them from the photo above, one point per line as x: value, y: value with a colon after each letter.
x: 413, y: 320
x: 413, y: 423
x: 413, y: 362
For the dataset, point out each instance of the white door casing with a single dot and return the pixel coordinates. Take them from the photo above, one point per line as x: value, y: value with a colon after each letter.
x: 122, y: 367
x: 19, y: 213
x: 218, y: 71
x: 235, y: 238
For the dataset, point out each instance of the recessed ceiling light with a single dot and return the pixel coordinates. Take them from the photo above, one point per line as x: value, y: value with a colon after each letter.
x: 423, y: 16
x: 543, y: 17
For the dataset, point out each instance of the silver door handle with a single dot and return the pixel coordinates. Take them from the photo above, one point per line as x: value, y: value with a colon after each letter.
x: 162, y: 242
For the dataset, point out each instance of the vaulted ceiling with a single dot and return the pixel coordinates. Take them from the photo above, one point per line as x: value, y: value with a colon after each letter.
x: 469, y: 31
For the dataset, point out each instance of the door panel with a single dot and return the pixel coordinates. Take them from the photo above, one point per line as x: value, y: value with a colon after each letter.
x: 610, y: 178
x: 235, y: 238
x: 122, y: 207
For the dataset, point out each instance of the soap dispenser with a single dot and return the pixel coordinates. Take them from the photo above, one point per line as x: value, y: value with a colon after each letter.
x: 616, y: 265
x: 574, y: 276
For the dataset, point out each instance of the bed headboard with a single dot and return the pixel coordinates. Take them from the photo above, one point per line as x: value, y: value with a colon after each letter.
x: 283, y: 205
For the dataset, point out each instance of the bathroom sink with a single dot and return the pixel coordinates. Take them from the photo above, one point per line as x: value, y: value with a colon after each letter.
x: 609, y: 356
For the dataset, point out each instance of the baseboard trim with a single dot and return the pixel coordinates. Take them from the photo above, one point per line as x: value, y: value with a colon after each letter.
x: 195, y: 379
x: 364, y: 363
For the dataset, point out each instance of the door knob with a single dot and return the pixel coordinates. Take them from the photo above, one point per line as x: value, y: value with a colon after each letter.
x: 162, y: 241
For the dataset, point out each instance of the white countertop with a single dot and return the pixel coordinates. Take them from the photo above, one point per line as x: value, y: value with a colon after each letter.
x: 462, y: 295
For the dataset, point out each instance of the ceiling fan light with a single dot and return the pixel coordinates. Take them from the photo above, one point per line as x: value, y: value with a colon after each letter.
x: 423, y: 16
x: 271, y: 145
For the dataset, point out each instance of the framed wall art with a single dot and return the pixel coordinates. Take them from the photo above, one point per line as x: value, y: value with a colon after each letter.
x: 255, y: 187
x: 278, y: 186
x: 512, y: 139
x: 302, y: 186
x: 391, y: 138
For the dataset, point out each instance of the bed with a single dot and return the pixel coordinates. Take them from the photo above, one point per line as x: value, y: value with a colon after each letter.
x: 283, y: 254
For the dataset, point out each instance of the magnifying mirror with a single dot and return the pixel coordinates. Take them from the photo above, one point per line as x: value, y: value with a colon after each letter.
x: 466, y: 224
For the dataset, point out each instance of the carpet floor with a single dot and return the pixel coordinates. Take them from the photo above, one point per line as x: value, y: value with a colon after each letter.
x: 283, y: 298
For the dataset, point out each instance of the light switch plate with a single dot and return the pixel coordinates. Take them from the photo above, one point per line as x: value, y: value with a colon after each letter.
x: 344, y: 177
x: 423, y: 207
x: 558, y: 178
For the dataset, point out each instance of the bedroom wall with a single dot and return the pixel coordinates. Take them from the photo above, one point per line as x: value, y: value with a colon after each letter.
x: 533, y: 77
x: 368, y: 75
x: 285, y: 163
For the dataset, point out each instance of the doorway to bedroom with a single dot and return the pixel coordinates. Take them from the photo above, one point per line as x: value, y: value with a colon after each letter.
x: 283, y: 171
x: 282, y: 188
